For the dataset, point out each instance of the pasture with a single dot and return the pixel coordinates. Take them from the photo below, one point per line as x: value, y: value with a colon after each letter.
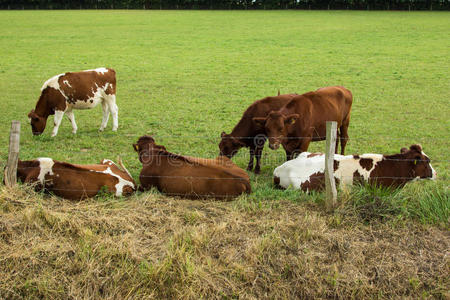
x: 186, y: 76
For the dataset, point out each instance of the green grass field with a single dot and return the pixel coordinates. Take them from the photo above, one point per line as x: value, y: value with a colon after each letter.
x: 186, y: 76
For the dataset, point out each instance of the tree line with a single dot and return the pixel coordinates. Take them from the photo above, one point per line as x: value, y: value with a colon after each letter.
x: 228, y: 4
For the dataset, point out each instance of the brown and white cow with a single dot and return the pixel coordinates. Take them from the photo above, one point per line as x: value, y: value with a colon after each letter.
x: 75, y: 90
x: 303, y: 119
x: 306, y: 172
x: 247, y: 134
x: 73, y: 181
x: 189, y: 177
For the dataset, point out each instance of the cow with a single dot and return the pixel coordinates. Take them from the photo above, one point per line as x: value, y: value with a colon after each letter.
x: 75, y: 90
x: 306, y: 172
x: 247, y: 134
x: 76, y: 182
x: 303, y: 119
x: 189, y: 177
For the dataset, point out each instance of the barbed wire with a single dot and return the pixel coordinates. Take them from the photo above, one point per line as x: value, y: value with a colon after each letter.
x: 216, y: 178
x: 218, y: 137
x: 231, y: 163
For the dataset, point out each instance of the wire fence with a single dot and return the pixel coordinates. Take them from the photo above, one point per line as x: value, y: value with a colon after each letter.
x: 272, y: 158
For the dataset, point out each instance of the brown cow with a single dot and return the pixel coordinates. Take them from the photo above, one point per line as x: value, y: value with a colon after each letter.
x: 76, y: 181
x: 189, y: 177
x: 247, y: 134
x: 306, y: 172
x: 79, y: 90
x: 303, y: 119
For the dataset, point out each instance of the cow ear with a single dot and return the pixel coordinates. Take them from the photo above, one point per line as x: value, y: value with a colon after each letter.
x: 33, y: 115
x: 416, y: 147
x: 403, y: 150
x: 291, y: 119
x: 259, y: 121
x: 136, y: 147
x: 223, y: 134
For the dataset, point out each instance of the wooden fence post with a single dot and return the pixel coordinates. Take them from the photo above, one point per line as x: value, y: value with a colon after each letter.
x: 13, y: 155
x: 330, y: 184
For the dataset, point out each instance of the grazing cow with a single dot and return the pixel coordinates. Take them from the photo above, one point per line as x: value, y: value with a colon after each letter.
x: 189, y: 177
x: 78, y: 90
x: 306, y: 172
x: 247, y: 134
x: 303, y: 119
x: 76, y: 182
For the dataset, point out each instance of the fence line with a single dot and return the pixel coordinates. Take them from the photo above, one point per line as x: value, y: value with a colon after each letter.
x: 215, y: 178
x: 217, y: 137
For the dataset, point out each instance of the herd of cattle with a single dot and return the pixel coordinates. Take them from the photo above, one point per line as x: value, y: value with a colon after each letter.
x: 290, y: 120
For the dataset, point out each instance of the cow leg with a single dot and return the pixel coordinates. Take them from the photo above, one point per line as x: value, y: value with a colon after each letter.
x: 114, y: 110
x: 57, y: 120
x: 252, y: 154
x: 258, y: 153
x: 305, y: 144
x: 289, y: 155
x: 344, y: 136
x: 338, y: 134
x: 105, y: 108
x: 71, y: 118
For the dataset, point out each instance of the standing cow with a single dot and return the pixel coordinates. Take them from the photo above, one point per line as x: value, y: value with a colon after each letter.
x: 247, y: 134
x: 75, y: 90
x: 303, y: 119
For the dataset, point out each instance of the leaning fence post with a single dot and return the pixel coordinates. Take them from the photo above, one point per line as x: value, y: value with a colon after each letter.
x: 330, y: 184
x: 13, y: 155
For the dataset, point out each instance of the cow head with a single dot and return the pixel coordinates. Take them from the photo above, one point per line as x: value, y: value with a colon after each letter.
x: 276, y: 126
x: 146, y: 148
x: 37, y: 122
x: 419, y: 163
x: 229, y: 145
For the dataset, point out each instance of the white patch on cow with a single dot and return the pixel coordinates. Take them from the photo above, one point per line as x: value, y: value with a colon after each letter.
x: 52, y: 82
x: 433, y: 172
x: 99, y: 70
x: 299, y: 170
x: 107, y: 161
x: 45, y: 165
x: 122, y: 182
x: 67, y: 83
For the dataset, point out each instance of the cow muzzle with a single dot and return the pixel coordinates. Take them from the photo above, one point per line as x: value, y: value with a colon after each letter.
x: 274, y: 145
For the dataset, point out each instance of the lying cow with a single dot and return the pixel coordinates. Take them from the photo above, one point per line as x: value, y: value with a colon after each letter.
x: 247, y: 134
x: 189, y: 177
x: 76, y: 181
x: 79, y: 90
x: 306, y: 172
x: 303, y: 119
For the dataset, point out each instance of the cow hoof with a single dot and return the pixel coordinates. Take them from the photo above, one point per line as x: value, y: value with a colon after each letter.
x: 53, y: 135
x: 74, y: 132
x: 257, y: 171
x: 114, y: 129
x: 101, y: 129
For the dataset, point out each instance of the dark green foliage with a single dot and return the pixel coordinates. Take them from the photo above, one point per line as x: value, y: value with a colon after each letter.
x: 228, y: 4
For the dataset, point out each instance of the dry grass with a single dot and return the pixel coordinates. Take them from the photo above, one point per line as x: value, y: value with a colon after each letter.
x: 150, y: 246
